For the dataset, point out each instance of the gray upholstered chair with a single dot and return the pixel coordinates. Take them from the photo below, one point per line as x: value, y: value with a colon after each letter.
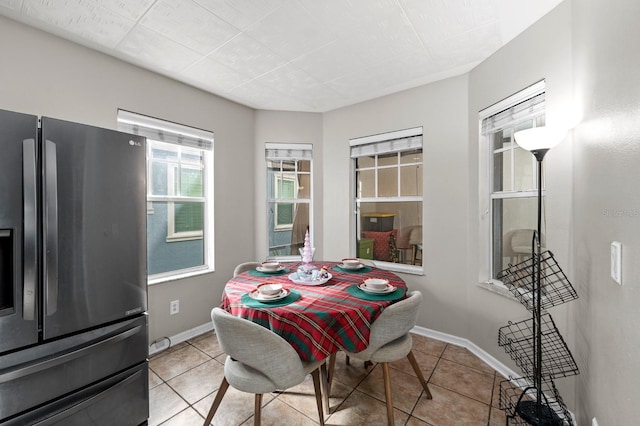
x: 246, y: 266
x: 390, y: 341
x: 516, y: 245
x: 259, y: 361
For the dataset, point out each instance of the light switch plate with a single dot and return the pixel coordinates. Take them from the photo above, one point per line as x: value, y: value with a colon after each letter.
x: 616, y: 262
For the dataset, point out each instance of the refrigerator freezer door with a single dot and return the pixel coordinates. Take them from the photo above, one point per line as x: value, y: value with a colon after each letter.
x: 120, y: 400
x: 18, y: 231
x: 43, y: 374
x: 94, y: 220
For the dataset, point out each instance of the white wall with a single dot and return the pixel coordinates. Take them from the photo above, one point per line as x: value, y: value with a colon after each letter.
x: 45, y: 75
x: 441, y: 109
x: 287, y: 127
x: 455, y: 252
x: 587, y: 52
x: 541, y: 52
x: 607, y: 208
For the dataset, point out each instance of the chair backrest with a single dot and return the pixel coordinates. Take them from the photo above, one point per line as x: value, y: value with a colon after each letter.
x: 246, y: 266
x: 408, y: 236
x: 395, y: 321
x: 259, y: 348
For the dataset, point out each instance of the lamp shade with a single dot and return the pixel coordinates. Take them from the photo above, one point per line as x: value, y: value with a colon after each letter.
x: 539, y: 138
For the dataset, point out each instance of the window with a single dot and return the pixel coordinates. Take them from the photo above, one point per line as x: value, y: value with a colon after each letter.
x: 512, y: 184
x: 388, y: 196
x: 288, y: 197
x: 176, y: 172
x: 179, y: 195
x: 285, y: 189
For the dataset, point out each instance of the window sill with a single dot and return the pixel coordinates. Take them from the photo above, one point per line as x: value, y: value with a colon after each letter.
x: 400, y: 267
x: 497, y: 289
x: 180, y: 276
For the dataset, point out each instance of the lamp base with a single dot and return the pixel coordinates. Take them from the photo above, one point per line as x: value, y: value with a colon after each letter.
x: 527, y: 410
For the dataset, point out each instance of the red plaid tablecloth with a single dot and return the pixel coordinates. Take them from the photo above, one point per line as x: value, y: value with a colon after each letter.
x: 324, y: 320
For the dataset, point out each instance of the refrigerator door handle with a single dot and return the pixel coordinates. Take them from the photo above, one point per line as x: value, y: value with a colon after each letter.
x: 69, y: 356
x: 51, y: 229
x: 30, y: 218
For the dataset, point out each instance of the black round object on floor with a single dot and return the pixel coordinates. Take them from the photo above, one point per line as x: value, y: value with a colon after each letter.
x: 527, y: 410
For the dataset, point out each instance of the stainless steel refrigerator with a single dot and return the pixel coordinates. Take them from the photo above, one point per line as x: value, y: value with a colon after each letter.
x: 73, y: 283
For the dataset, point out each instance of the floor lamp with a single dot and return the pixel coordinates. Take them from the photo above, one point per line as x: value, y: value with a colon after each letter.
x: 538, y: 141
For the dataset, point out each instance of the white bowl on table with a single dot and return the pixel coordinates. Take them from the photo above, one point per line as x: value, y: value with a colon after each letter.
x: 376, y: 283
x: 269, y: 289
x: 270, y: 266
x: 351, y: 263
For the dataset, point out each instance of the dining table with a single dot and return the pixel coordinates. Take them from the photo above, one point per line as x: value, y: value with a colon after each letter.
x: 317, y: 318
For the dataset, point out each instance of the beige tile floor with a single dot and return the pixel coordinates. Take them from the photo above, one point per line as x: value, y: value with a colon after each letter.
x: 184, y: 380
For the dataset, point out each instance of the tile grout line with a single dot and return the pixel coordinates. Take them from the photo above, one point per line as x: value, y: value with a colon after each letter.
x: 189, y: 405
x: 350, y: 393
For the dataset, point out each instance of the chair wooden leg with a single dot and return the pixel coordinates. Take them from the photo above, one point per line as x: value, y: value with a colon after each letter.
x: 332, y: 366
x: 387, y: 392
x: 324, y: 385
x: 315, y: 374
x: 416, y: 369
x: 257, y: 415
x: 216, y: 402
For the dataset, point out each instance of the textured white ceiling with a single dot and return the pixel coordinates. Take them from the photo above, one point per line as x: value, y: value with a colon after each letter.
x: 298, y: 55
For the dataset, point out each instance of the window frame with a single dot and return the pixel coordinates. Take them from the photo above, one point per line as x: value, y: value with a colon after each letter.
x: 487, y: 155
x: 385, y: 142
x: 176, y: 135
x: 285, y: 152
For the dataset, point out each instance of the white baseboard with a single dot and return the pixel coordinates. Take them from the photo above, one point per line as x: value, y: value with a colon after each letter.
x: 488, y: 359
x: 164, y: 343
x: 472, y: 347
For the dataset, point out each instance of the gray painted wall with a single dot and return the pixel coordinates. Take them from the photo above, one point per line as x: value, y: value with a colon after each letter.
x: 441, y: 109
x: 45, y: 75
x: 586, y: 51
x: 607, y: 208
x: 455, y: 252
x: 541, y: 52
x: 287, y: 127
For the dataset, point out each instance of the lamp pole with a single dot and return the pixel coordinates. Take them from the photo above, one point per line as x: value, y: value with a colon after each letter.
x: 538, y: 141
x: 537, y: 305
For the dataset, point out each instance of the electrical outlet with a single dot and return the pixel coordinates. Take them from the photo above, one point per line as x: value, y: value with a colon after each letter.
x: 174, y: 307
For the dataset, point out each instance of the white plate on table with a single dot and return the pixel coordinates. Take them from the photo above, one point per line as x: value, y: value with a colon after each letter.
x: 353, y: 268
x: 256, y: 295
x: 388, y: 289
x: 270, y: 271
x: 294, y: 277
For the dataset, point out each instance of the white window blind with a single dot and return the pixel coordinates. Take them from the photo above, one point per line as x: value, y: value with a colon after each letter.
x: 164, y: 131
x: 387, y: 147
x: 527, y: 103
x: 403, y: 140
x: 520, y: 112
x: 282, y: 151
